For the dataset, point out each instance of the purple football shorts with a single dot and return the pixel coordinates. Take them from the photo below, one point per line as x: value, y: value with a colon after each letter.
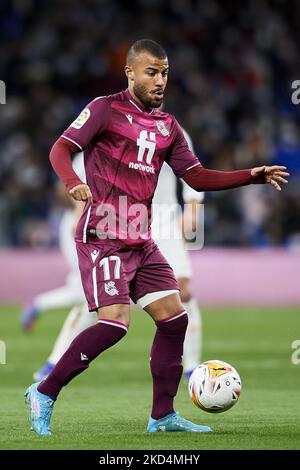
x: 111, y: 274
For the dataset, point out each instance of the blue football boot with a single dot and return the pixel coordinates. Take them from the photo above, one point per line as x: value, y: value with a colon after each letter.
x: 29, y: 317
x: 40, y: 410
x: 175, y: 423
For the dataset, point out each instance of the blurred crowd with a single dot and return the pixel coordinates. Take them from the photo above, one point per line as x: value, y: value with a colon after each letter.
x: 231, y: 69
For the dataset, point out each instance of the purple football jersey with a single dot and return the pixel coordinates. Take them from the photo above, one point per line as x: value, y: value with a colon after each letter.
x: 124, y: 148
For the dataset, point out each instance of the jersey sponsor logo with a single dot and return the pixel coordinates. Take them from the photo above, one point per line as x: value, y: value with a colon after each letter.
x: 129, y: 117
x: 140, y: 166
x: 146, y: 144
x: 110, y: 288
x: 81, y: 119
x: 162, y: 128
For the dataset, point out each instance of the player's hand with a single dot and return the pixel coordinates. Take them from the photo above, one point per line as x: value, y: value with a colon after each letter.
x: 81, y: 192
x: 271, y: 175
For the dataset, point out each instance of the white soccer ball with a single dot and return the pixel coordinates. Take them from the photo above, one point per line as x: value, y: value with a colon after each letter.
x: 215, y: 386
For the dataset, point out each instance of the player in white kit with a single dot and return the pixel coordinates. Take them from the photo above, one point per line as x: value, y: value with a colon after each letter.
x: 172, y: 247
x: 71, y: 292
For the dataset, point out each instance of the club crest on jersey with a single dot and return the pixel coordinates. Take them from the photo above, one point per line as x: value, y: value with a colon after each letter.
x: 81, y: 119
x: 110, y: 288
x: 162, y: 128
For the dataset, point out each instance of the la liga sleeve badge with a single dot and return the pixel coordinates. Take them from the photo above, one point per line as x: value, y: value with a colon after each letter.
x: 81, y: 119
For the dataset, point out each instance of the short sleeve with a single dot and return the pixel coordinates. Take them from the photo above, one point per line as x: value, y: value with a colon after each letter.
x: 180, y: 157
x: 91, y: 122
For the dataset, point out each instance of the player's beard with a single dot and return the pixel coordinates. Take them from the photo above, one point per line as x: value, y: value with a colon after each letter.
x: 142, y: 94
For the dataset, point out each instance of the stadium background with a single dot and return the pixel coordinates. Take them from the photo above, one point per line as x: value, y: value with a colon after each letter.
x: 232, y: 66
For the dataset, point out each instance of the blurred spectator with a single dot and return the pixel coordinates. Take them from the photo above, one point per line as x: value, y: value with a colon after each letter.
x: 232, y: 66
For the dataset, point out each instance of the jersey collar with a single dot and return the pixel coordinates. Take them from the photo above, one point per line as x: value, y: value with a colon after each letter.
x: 137, y: 105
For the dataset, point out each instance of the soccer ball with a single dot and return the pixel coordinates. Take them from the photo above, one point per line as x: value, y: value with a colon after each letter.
x: 215, y: 386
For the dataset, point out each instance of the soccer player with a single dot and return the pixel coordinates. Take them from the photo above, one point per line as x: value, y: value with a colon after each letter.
x: 168, y: 237
x: 125, y: 140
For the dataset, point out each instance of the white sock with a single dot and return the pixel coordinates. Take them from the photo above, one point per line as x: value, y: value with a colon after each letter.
x: 193, y: 339
x: 78, y: 320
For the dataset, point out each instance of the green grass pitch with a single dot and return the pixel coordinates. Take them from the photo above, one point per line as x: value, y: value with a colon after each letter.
x: 107, y: 407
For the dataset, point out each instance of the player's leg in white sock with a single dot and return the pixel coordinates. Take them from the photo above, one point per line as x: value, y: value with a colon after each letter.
x: 78, y: 320
x: 57, y: 298
x: 69, y: 294
x: 193, y: 338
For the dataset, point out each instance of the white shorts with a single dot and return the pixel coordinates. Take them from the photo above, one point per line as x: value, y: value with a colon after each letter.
x: 177, y: 256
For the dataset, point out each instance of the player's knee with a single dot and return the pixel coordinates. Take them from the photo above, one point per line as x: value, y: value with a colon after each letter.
x: 165, y: 307
x: 122, y: 318
x: 119, y: 313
